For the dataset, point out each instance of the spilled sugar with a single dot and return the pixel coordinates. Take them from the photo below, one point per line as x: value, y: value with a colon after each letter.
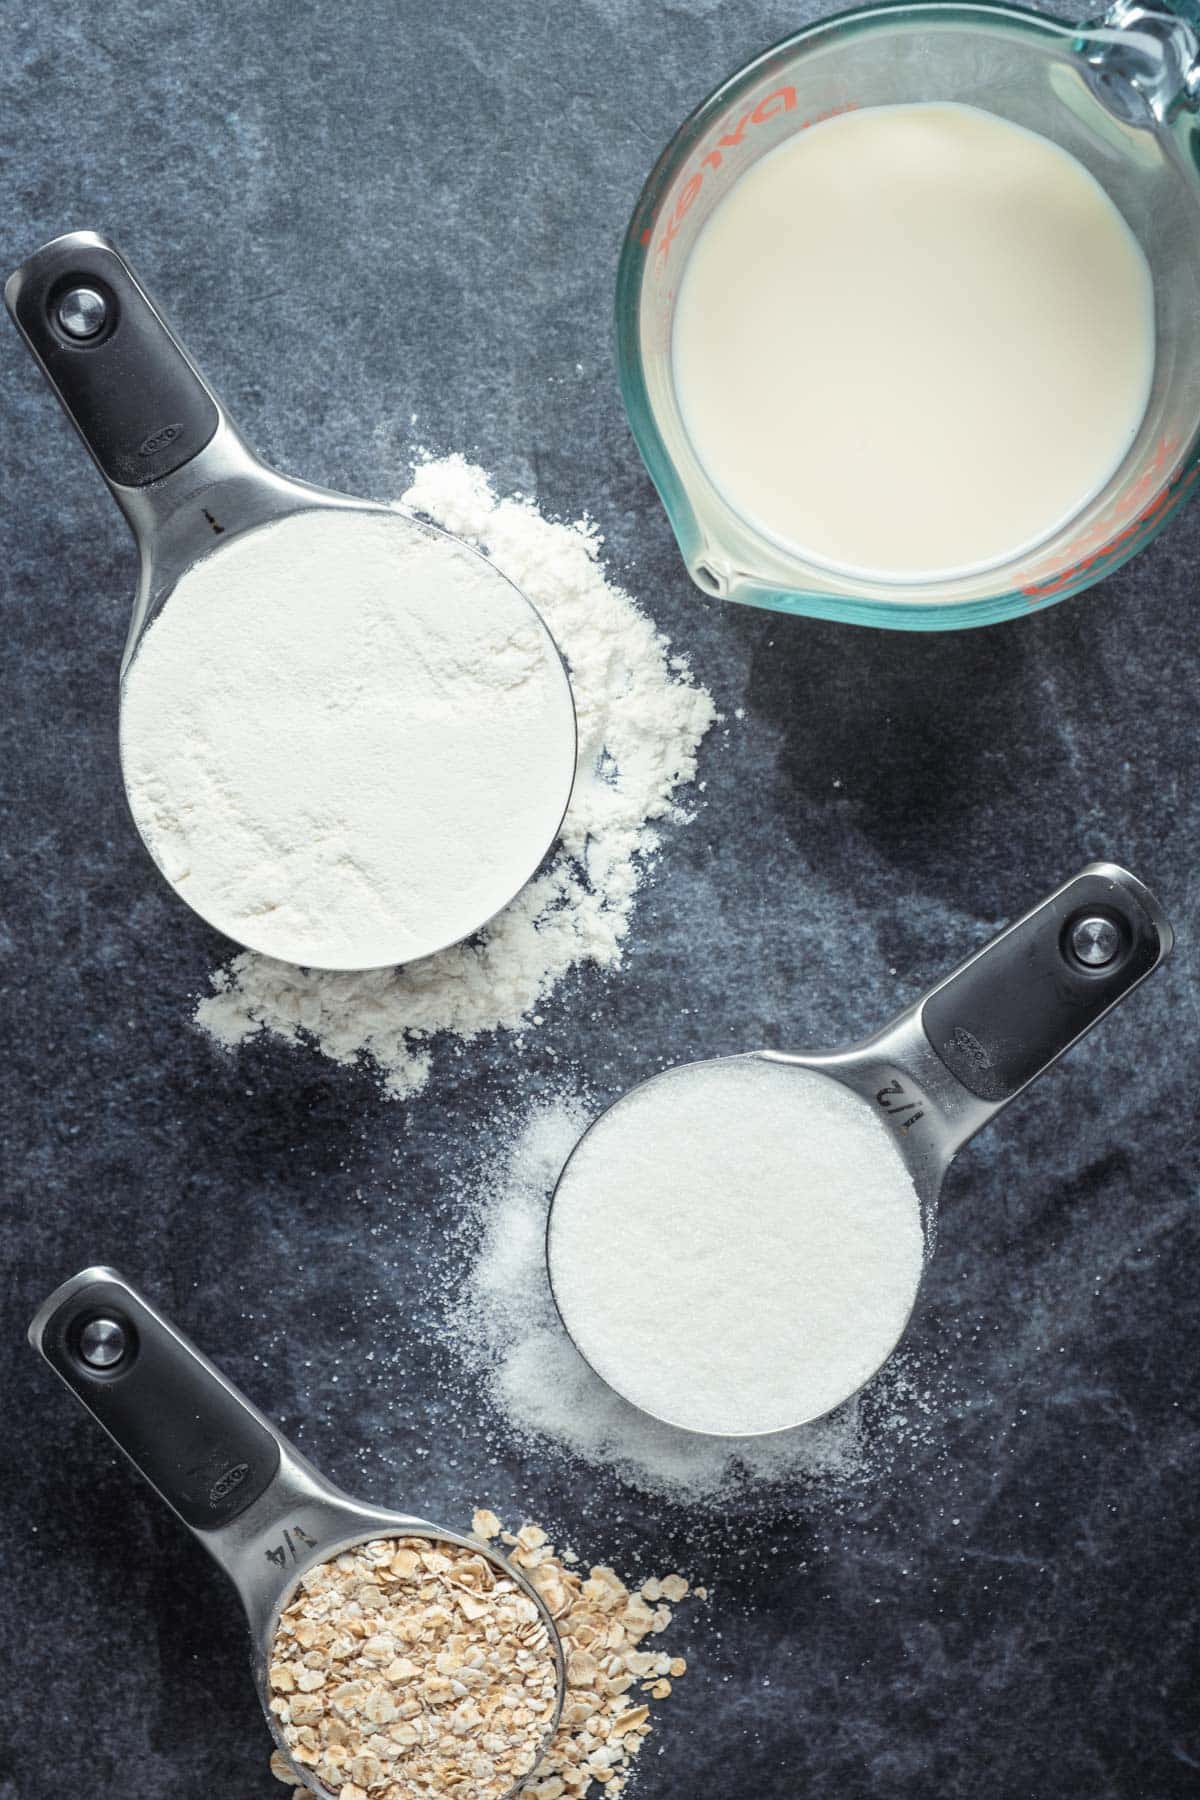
x: 502, y: 1324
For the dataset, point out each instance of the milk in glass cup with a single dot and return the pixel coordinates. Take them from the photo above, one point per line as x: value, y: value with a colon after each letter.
x: 1120, y: 96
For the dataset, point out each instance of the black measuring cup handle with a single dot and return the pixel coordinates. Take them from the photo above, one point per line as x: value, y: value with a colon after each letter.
x: 135, y: 398
x: 1016, y: 1006
x: 197, y: 1441
x: 256, y: 1504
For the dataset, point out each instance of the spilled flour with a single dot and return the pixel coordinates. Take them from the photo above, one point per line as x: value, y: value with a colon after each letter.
x: 503, y: 1326
x: 641, y: 720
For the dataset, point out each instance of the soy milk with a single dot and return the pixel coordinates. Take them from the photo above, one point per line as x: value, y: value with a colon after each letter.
x: 913, y: 341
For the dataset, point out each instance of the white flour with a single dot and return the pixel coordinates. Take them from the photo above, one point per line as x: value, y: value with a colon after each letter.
x: 503, y: 1325
x: 736, y: 1246
x: 347, y: 741
x: 641, y: 719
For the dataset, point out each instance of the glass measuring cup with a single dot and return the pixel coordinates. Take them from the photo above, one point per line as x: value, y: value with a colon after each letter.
x: 925, y: 1084
x: 259, y: 1508
x: 197, y: 496
x: 1120, y: 95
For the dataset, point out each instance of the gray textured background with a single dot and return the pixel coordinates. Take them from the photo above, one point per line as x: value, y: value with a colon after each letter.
x: 356, y: 215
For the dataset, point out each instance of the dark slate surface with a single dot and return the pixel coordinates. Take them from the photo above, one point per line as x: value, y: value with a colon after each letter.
x: 364, y: 213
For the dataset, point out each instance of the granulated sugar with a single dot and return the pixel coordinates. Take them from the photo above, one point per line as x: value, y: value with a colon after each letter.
x: 347, y: 740
x: 736, y: 1245
x: 504, y: 1327
x: 641, y: 720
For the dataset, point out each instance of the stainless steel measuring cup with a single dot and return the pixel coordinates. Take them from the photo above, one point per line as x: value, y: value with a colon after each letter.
x: 260, y: 1509
x: 933, y: 1076
x: 190, y: 488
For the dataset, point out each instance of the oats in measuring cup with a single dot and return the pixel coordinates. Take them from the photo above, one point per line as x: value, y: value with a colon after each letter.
x: 606, y: 1717
x: 406, y: 1669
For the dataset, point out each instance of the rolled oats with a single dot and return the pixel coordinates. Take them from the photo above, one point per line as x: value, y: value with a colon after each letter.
x: 423, y: 1694
x: 463, y: 1711
x: 601, y: 1623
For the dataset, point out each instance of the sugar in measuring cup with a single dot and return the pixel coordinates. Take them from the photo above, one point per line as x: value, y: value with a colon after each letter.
x: 347, y: 739
x: 1114, y: 107
x: 269, y: 1519
x: 735, y: 1246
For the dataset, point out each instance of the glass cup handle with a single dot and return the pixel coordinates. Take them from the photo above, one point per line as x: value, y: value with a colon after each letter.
x: 1146, y: 58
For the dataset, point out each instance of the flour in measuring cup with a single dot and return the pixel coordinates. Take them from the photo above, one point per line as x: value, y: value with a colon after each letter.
x: 913, y: 341
x: 641, y: 721
x: 342, y: 740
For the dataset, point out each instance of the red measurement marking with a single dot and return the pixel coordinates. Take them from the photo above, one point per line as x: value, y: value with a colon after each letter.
x: 1100, y: 540
x: 768, y: 106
